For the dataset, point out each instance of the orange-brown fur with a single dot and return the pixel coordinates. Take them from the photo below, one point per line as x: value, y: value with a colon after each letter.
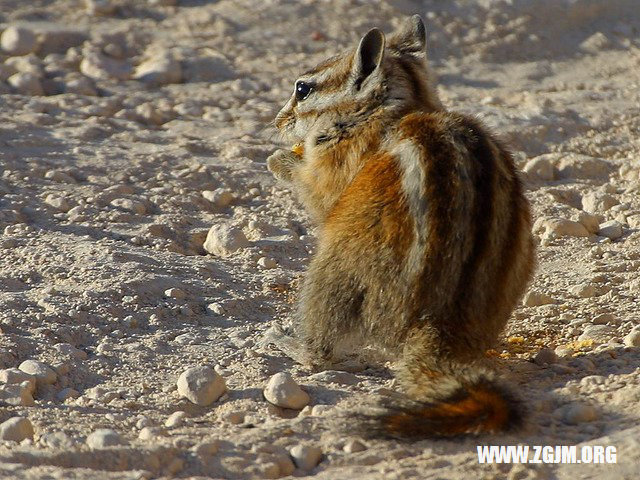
x: 424, y: 243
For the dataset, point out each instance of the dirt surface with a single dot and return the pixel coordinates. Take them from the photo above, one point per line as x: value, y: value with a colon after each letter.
x: 129, y: 128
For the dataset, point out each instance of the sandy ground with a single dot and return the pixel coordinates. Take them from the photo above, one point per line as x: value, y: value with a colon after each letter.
x: 116, y: 116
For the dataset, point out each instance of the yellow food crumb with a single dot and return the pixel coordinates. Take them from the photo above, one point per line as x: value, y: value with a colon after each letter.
x: 515, y: 340
x: 298, y: 149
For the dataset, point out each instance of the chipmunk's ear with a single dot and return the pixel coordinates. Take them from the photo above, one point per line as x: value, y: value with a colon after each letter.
x: 368, y: 55
x: 411, y: 37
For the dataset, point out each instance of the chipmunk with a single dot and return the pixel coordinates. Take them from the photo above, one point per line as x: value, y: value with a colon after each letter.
x: 424, y: 234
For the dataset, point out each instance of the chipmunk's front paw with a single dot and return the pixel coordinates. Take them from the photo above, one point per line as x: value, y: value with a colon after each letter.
x: 281, y: 163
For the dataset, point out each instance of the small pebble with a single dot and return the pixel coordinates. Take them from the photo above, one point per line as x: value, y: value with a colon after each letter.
x: 283, y: 391
x: 220, y: 196
x: 306, y: 457
x: 26, y: 83
x: 545, y: 356
x: 18, y: 41
x: 67, y: 393
x: 148, y: 433
x: 58, y: 202
x: 353, y: 446
x: 16, y: 429
x: 234, y: 418
x: 611, y: 229
x: 175, y: 293
x: 104, y: 437
x: 176, y: 419
x: 585, y: 290
x: 267, y: 263
x: 59, y: 176
x: 201, y: 385
x: 535, y: 299
x: 207, y: 448
x: 223, y: 240
x: 576, y: 413
x: 70, y: 351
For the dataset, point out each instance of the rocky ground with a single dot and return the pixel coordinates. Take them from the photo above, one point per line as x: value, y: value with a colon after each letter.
x: 130, y: 329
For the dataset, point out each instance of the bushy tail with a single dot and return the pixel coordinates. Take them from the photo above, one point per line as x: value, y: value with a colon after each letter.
x: 469, y: 405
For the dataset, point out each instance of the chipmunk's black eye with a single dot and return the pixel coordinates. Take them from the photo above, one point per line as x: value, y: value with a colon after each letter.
x: 303, y: 90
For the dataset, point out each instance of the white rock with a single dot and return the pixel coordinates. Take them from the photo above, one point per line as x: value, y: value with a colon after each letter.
x: 576, y: 413
x: 176, y: 419
x: 18, y: 41
x: 540, y: 168
x: 161, y: 69
x: 57, y: 202
x: 16, y: 429
x: 562, y: 227
x: 26, y: 84
x: 632, y: 339
x: 306, y: 457
x: 223, y: 240
x: 42, y: 372
x: 201, y: 385
x: 598, y: 202
x: 220, y: 196
x: 611, y: 229
x: 16, y: 376
x: 70, y: 351
x: 104, y: 437
x: 597, y: 333
x: 534, y: 298
x: 283, y: 391
x: 353, y: 446
x: 16, y: 394
x: 267, y: 263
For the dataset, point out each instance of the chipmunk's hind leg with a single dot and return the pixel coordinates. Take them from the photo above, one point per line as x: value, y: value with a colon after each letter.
x: 329, y: 310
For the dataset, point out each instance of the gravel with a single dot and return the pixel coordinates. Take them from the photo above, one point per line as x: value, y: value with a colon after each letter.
x: 83, y: 281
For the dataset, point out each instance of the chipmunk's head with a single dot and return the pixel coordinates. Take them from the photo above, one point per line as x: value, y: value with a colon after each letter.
x: 379, y: 75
